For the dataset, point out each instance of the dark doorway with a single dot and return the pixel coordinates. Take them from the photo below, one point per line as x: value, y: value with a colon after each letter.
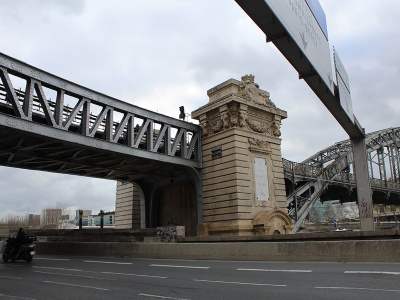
x: 176, y: 207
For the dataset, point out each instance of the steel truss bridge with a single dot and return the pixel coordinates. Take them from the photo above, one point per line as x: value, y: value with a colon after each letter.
x: 86, y: 133
x: 329, y: 174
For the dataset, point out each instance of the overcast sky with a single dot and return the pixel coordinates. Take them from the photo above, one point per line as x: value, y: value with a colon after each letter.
x: 161, y: 54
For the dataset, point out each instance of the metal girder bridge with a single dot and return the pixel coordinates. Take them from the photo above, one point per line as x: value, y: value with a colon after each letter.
x: 86, y: 133
x: 333, y: 166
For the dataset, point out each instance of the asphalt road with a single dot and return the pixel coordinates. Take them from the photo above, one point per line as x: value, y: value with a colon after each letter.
x: 117, y: 278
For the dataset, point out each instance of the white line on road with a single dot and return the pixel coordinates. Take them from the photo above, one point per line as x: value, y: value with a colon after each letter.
x: 9, y: 277
x: 106, y: 262
x: 271, y: 270
x: 15, y: 297
x: 138, y: 275
x: 59, y: 259
x: 78, y: 285
x: 174, y: 266
x: 62, y: 269
x: 244, y: 283
x: 162, y: 297
x: 372, y: 272
x: 354, y: 288
x: 75, y: 275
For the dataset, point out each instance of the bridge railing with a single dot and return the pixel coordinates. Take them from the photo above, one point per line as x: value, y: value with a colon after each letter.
x: 300, y: 169
x: 334, y: 174
x: 93, y: 114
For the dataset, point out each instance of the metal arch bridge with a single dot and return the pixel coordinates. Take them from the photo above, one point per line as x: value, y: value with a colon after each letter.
x: 86, y: 133
x: 331, y: 170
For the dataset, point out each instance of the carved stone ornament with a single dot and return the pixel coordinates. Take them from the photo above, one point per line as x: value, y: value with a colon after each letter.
x: 209, y: 127
x: 234, y: 114
x: 276, y: 125
x: 259, y: 143
x: 242, y: 119
x: 258, y: 127
x: 225, y: 119
x: 252, y: 93
x: 216, y: 126
x: 205, y: 128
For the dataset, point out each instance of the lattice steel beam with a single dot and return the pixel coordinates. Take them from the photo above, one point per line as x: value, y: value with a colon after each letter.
x: 311, y: 169
x: 135, y: 130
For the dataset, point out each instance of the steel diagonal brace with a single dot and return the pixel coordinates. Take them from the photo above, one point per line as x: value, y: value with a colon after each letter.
x: 67, y: 123
x: 128, y: 118
x: 142, y: 131
x: 100, y: 118
x: 179, y: 139
x: 34, y: 84
x: 12, y: 96
x: 193, y: 143
x: 160, y: 137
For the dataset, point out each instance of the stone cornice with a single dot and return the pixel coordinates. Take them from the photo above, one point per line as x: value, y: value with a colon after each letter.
x: 223, y: 85
x: 235, y: 97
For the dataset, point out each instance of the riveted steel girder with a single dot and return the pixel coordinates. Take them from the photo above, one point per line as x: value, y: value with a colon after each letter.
x: 312, y: 173
x: 99, y: 136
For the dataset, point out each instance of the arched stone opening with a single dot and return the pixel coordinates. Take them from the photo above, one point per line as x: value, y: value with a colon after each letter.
x: 175, y: 206
x: 151, y: 203
x: 272, y: 223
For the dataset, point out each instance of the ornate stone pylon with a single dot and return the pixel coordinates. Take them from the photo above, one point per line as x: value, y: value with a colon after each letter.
x: 243, y: 180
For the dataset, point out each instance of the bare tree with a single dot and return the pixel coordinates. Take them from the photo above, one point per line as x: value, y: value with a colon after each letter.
x: 56, y: 217
x: 13, y: 221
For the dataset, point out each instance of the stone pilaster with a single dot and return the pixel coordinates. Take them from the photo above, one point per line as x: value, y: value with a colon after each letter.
x: 242, y: 165
x: 127, y: 207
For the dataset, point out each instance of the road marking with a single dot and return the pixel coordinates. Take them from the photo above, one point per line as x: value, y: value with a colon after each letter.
x: 78, y: 285
x: 62, y: 269
x: 271, y: 270
x: 10, y: 277
x: 372, y: 272
x: 59, y: 259
x: 106, y: 262
x: 138, y: 275
x: 75, y: 275
x: 162, y: 297
x: 242, y: 283
x: 16, y: 297
x: 354, y: 288
x: 174, y: 266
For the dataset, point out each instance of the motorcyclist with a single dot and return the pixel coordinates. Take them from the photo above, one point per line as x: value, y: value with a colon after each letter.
x: 19, y: 241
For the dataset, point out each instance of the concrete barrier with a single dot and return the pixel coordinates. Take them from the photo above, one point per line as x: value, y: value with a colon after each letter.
x: 343, y: 251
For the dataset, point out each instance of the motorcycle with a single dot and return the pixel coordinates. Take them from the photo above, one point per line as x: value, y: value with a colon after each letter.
x: 24, y: 251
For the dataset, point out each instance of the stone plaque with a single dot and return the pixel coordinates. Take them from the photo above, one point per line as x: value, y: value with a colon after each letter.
x: 261, y: 179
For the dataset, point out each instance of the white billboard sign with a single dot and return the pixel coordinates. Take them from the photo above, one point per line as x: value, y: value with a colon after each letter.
x: 345, y: 98
x: 300, y: 22
x: 344, y: 87
x: 340, y: 70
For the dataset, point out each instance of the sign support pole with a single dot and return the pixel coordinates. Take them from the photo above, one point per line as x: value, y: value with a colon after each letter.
x: 364, y: 194
x: 306, y: 33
